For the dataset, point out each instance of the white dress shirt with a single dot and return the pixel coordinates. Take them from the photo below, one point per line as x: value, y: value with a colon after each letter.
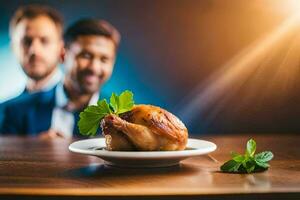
x: 62, y: 119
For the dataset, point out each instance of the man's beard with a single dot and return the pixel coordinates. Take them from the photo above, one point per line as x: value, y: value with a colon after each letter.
x: 39, y: 77
x: 84, y: 87
x: 88, y: 90
x: 36, y: 75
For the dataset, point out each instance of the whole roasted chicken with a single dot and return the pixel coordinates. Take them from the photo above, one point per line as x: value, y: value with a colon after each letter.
x: 144, y: 128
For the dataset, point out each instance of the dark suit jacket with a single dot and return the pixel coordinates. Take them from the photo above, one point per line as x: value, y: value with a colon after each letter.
x: 30, y: 114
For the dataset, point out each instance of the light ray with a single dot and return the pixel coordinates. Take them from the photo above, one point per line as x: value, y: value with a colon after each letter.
x: 248, y: 65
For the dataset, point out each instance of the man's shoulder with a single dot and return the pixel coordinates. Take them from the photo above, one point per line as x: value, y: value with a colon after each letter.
x: 13, y: 112
x: 21, y: 101
x: 28, y: 99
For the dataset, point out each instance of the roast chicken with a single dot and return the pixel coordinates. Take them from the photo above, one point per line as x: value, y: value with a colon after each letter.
x: 144, y: 128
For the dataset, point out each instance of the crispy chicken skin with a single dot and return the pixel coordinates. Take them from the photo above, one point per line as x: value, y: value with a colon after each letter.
x: 144, y: 128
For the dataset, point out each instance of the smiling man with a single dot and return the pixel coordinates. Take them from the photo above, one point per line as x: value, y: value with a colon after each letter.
x: 90, y: 54
x: 36, y: 39
x: 91, y: 47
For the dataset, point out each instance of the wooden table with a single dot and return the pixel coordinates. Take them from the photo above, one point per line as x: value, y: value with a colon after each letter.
x: 39, y: 169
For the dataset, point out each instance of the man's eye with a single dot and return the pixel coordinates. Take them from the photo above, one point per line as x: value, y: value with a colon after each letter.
x: 104, y: 59
x: 44, y: 41
x: 85, y: 55
x: 27, y: 42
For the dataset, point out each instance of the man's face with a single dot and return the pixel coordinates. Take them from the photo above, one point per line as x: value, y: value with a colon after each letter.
x: 89, y: 62
x: 38, y: 45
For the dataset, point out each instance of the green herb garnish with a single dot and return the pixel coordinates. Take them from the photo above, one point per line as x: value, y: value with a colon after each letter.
x: 249, y: 162
x: 91, y: 116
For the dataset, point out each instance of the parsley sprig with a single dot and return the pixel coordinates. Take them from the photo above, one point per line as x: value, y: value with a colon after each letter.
x: 91, y: 116
x: 249, y: 162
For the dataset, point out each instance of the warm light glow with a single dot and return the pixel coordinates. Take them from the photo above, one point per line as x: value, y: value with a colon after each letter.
x: 293, y: 6
x: 287, y: 7
x: 266, y: 70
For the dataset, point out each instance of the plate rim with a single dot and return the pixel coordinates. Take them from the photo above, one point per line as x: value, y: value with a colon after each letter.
x: 144, y: 154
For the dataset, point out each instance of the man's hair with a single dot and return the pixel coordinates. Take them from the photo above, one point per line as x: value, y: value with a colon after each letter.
x: 34, y: 11
x: 85, y: 27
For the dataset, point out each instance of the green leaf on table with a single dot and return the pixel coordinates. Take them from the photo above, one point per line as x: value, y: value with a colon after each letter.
x: 249, y: 165
x: 237, y: 157
x: 230, y: 166
x: 249, y: 162
x: 264, y: 156
x: 234, y: 154
x: 251, y: 147
x: 263, y: 164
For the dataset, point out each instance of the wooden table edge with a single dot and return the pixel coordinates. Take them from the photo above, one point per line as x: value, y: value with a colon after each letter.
x: 134, y: 192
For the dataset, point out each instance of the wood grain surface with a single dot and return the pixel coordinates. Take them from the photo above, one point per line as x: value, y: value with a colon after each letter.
x: 34, y: 168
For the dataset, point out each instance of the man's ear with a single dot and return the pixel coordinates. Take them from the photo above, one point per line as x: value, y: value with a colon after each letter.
x: 13, y: 47
x: 62, y: 53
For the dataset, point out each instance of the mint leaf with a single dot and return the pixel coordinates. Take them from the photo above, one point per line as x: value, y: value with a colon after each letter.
x: 249, y: 166
x: 91, y: 116
x: 114, y: 102
x: 264, y: 156
x: 122, y: 103
x: 104, y: 107
x: 239, y: 158
x: 262, y: 164
x: 248, y: 163
x: 125, y: 102
x: 234, y: 154
x: 230, y: 166
x: 251, y: 147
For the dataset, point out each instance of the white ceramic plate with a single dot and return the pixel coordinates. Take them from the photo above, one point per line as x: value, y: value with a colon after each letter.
x: 96, y: 147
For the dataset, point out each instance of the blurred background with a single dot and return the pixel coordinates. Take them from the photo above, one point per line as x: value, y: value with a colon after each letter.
x: 222, y: 66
